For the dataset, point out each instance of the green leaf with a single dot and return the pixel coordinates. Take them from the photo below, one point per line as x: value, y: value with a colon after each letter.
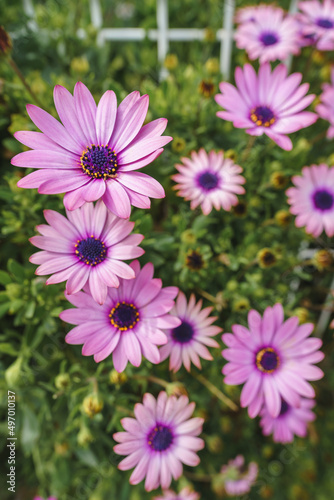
x: 87, y: 457
x: 16, y: 269
x: 7, y: 348
x: 30, y: 429
x: 5, y: 279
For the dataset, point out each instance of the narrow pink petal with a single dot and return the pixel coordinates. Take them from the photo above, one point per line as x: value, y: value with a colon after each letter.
x: 86, y: 111
x: 45, y: 159
x: 77, y: 280
x: 94, y: 190
x: 37, y: 140
x: 136, y: 165
x: 106, y: 117
x: 64, y: 183
x: 117, y: 200
x: 272, y: 396
x: 127, y: 129
x: 65, y: 107
x: 97, y: 285
x: 142, y: 184
x: 144, y: 148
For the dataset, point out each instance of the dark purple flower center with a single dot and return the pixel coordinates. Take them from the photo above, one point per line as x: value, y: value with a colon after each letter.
x: 268, y: 38
x: 194, y: 261
x: 325, y: 23
x: 208, y: 180
x: 262, y: 115
x: 183, y: 333
x: 267, y: 360
x: 124, y: 316
x: 284, y: 408
x: 99, y: 162
x: 160, y: 438
x: 323, y: 199
x: 91, y: 250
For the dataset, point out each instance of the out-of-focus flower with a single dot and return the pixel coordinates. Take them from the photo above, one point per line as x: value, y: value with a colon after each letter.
x: 317, y: 20
x: 323, y: 259
x: 159, y: 439
x: 302, y: 314
x: 185, y: 494
x: 290, y: 421
x: 283, y: 218
x: 266, y: 258
x: 278, y: 180
x: 240, y: 209
x: 92, y: 405
x: 87, y: 247
x: 274, y: 358
x: 241, y: 305
x: 206, y: 88
x: 96, y: 152
x: 187, y: 342
x: 117, y: 378
x: 239, y: 478
x: 312, y: 199
x: 194, y: 260
x: 212, y: 66
x: 62, y: 381
x: 128, y: 324
x: 268, y: 35
x: 209, y: 180
x: 178, y: 145
x: 326, y: 108
x: 279, y: 109
x: 171, y: 62
x: 79, y: 65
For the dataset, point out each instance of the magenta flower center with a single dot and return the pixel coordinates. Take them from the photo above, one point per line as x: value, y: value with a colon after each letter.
x: 124, y: 316
x: 284, y: 408
x: 268, y: 38
x: 323, y: 199
x: 160, y: 438
x: 267, y: 360
x: 262, y: 115
x: 194, y: 261
x: 325, y: 23
x: 99, y: 162
x: 183, y: 333
x: 208, y: 180
x: 91, y: 250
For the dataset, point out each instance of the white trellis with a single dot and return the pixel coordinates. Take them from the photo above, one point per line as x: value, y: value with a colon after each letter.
x: 163, y: 34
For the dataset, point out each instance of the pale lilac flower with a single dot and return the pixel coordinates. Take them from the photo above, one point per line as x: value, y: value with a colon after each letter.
x: 290, y: 421
x: 326, y: 109
x: 88, y: 246
x: 317, y: 20
x: 159, y: 439
x: 270, y: 103
x: 129, y: 324
x: 239, y: 478
x: 269, y: 35
x: 246, y: 14
x: 185, y: 494
x: 312, y: 200
x: 274, y: 358
x: 187, y: 342
x: 209, y: 180
x: 96, y: 152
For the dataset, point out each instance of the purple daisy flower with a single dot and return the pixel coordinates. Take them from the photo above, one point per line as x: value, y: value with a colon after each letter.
x: 96, y: 152
x: 209, y: 180
x: 290, y: 421
x: 312, y: 200
x: 275, y: 359
x: 269, y: 35
x: 246, y: 14
x: 129, y: 324
x: 270, y: 103
x: 326, y: 109
x: 159, y: 439
x: 187, y: 342
x: 185, y: 494
x: 87, y: 247
x: 239, y: 478
x: 317, y: 21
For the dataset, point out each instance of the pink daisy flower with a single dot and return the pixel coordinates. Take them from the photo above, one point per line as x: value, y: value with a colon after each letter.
x: 290, y: 421
x: 317, y: 20
x: 274, y: 358
x: 129, y: 324
x: 268, y: 103
x: 185, y: 494
x: 312, y: 200
x: 269, y: 35
x: 186, y: 342
x: 326, y: 109
x: 238, y: 478
x: 159, y: 439
x: 209, y: 180
x: 86, y: 247
x: 96, y: 152
x: 246, y: 14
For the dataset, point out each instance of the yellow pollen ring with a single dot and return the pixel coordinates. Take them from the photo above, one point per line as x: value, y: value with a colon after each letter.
x: 259, y: 357
x: 116, y: 325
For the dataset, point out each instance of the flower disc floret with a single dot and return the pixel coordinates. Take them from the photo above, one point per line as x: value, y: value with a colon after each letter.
x: 124, y: 316
x: 91, y: 250
x: 160, y: 438
x: 267, y: 360
x: 99, y: 162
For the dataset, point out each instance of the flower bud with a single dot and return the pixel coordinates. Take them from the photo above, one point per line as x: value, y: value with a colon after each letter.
x: 92, y: 405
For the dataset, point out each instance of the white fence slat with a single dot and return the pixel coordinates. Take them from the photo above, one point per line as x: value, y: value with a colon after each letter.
x: 227, y: 39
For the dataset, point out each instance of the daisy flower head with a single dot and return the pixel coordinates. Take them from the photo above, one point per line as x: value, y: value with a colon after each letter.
x: 249, y: 13
x: 209, y: 180
x: 317, y: 21
x: 270, y: 103
x: 274, y: 359
x: 239, y: 478
x: 96, y: 151
x: 312, y: 199
x: 187, y: 342
x: 159, y: 439
x: 290, y: 421
x: 326, y: 108
x: 185, y: 494
x: 269, y: 35
x: 88, y: 246
x: 129, y: 324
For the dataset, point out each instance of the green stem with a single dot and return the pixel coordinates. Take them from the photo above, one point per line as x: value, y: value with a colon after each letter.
x: 248, y: 148
x: 150, y: 378
x: 216, y: 392
x: 14, y: 66
x: 201, y: 478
